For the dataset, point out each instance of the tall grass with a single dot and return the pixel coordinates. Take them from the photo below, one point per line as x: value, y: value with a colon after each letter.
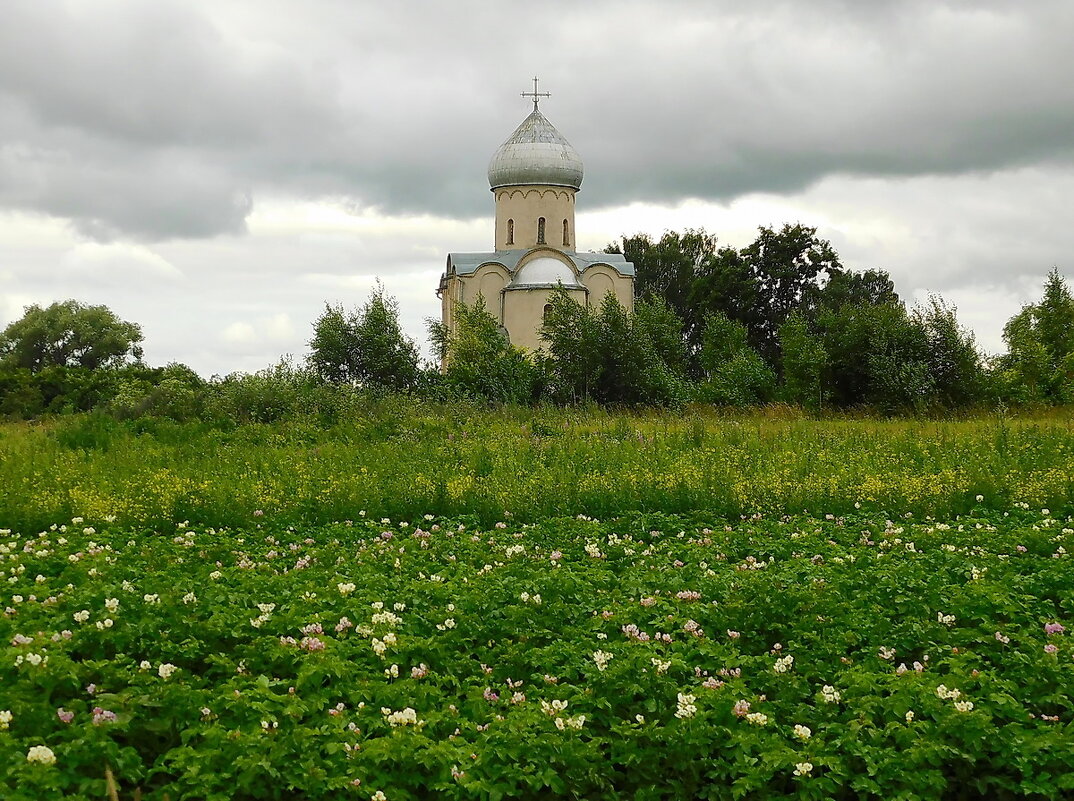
x: 403, y: 460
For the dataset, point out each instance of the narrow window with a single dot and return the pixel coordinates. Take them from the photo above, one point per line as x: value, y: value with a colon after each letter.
x: 566, y: 235
x: 547, y: 311
x: 540, y: 230
x: 510, y: 232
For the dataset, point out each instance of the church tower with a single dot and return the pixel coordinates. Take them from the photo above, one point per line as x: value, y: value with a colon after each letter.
x: 534, y: 176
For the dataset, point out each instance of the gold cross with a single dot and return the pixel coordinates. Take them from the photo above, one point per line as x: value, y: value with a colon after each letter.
x: 535, y: 94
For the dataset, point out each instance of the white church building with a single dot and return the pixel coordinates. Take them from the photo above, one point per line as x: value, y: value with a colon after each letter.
x: 534, y: 176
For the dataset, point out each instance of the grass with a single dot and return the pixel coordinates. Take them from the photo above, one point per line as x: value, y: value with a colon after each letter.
x: 402, y: 461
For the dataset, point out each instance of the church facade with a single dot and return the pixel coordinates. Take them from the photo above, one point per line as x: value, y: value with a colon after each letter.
x: 535, y: 176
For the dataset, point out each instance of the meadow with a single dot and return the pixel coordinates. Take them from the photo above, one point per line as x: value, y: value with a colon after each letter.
x: 422, y: 602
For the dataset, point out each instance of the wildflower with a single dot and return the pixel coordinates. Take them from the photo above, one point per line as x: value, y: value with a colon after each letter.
x: 802, y: 732
x: 101, y: 716
x: 964, y: 706
x: 1050, y: 648
x: 65, y: 715
x: 757, y: 718
x: 602, y: 658
x: 5, y: 718
x: 1053, y: 628
x: 41, y: 754
x: 830, y: 694
x: 112, y: 605
x: 909, y: 715
x: 803, y: 768
x: 686, y: 707
x: 741, y: 707
x: 166, y: 669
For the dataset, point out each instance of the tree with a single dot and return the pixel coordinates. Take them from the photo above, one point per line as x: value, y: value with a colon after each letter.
x: 805, y: 362
x: 610, y: 356
x: 366, y: 347
x: 480, y: 360
x: 1039, y: 363
x: 69, y: 334
x: 954, y: 361
x: 734, y: 373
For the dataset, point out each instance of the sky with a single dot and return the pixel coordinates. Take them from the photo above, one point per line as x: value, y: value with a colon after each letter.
x: 219, y: 170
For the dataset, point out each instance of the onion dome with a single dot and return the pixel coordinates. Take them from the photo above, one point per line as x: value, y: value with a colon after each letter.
x: 536, y: 153
x: 544, y: 271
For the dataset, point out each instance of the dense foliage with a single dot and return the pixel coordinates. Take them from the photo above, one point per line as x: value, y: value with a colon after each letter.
x: 648, y: 657
x: 778, y: 320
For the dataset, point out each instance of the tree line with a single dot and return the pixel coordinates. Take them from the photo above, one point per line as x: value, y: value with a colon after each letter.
x: 780, y: 320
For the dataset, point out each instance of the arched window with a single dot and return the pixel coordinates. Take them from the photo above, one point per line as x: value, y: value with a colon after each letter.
x: 547, y: 311
x: 540, y: 230
x: 566, y: 234
x: 510, y: 232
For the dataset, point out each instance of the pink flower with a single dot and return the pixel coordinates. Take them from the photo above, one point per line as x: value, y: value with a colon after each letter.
x: 740, y: 708
x: 712, y: 683
x: 65, y: 715
x: 555, y: 556
x: 311, y: 644
x: 102, y: 716
x: 688, y: 595
x: 1021, y: 549
x: 734, y: 635
x: 1053, y: 628
x: 491, y: 695
x: 1050, y: 648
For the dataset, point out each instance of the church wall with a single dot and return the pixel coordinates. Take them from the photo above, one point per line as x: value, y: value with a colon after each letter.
x: 488, y: 281
x: 524, y: 314
x: 524, y: 205
x: 600, y: 280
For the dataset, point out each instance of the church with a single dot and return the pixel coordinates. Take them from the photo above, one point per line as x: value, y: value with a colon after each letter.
x: 534, y: 176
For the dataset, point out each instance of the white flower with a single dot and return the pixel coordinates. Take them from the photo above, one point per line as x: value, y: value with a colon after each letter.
x: 112, y: 605
x: 379, y: 794
x: 964, y: 706
x: 830, y: 694
x: 145, y: 664
x: 41, y: 754
x: 166, y: 670
x: 660, y: 665
x: 151, y: 598
x: 5, y: 718
x: 81, y: 617
x: 757, y: 718
x: 803, y: 768
x: 783, y: 664
x: 802, y: 732
x: 215, y: 575
x: 190, y: 598
x: 404, y: 717
x: 686, y: 707
x: 947, y: 620
x: 909, y: 715
x: 346, y: 588
x: 602, y: 658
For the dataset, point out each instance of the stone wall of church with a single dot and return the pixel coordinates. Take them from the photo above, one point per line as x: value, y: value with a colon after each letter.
x: 519, y: 210
x: 600, y: 280
x: 524, y: 314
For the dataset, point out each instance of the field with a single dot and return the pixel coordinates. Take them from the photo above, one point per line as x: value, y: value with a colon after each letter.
x: 549, y: 604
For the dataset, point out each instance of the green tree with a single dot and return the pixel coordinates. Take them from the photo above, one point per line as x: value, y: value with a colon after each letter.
x: 734, y: 373
x: 954, y: 362
x: 480, y: 360
x: 1039, y: 363
x: 366, y: 347
x: 805, y: 362
x: 69, y: 334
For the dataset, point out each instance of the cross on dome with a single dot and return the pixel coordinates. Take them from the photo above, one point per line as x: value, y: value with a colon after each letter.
x: 535, y: 94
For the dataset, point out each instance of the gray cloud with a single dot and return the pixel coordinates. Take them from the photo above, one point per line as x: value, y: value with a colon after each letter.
x: 168, y: 120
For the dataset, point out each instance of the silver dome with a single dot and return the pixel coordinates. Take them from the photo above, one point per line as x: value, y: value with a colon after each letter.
x: 536, y: 153
x: 544, y: 271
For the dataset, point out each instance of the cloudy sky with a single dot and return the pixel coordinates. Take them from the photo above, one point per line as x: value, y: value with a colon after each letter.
x: 217, y: 170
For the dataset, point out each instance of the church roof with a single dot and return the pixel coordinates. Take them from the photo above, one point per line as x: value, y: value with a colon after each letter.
x: 536, y: 153
x: 468, y: 263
